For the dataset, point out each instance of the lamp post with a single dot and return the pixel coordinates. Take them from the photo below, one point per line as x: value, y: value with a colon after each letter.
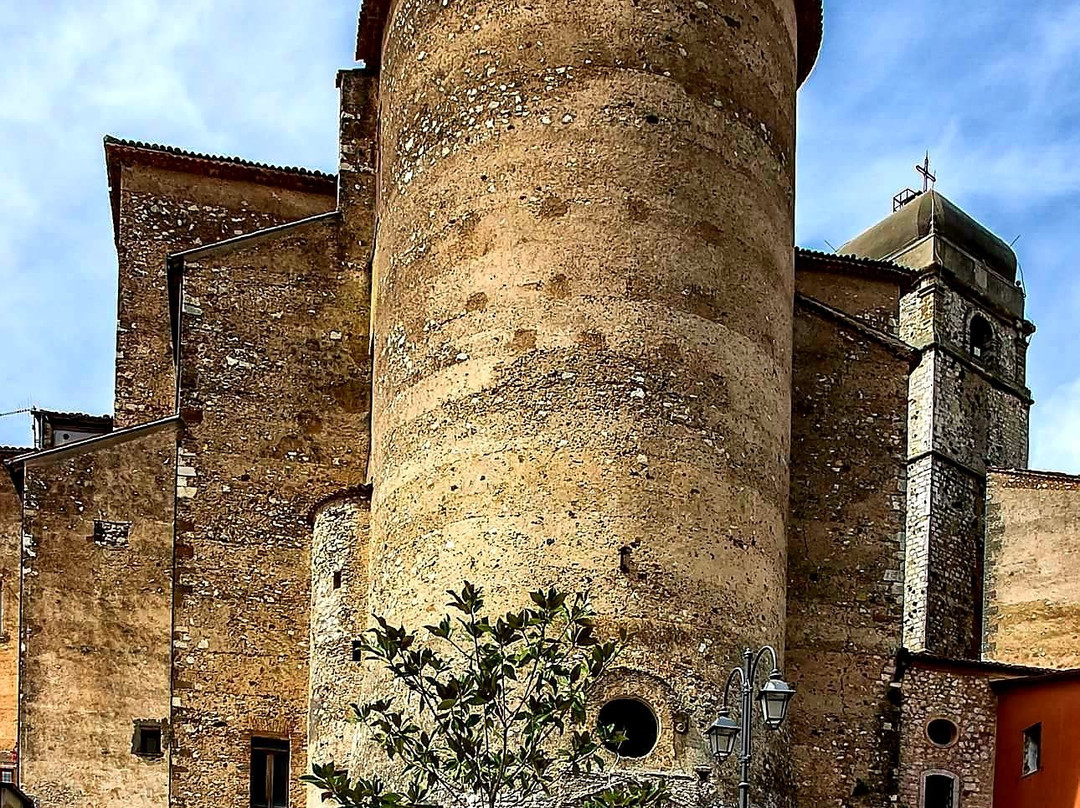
x: 774, y: 698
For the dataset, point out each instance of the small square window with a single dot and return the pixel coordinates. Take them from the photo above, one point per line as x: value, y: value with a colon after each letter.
x: 7, y: 776
x: 146, y: 741
x: 1032, y: 749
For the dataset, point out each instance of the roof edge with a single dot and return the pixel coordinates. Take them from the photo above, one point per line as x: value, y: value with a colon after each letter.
x: 1012, y: 683
x: 1036, y: 474
x: 95, y: 442
x: 904, y: 276
x: 909, y: 659
x: 185, y: 156
x: 120, y: 153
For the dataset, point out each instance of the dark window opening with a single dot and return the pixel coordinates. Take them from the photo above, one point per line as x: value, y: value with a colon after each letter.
x: 357, y: 651
x: 942, y: 732
x: 7, y: 776
x: 269, y: 773
x: 939, y: 791
x: 146, y: 742
x: 635, y: 725
x: 1032, y: 749
x: 982, y: 338
x: 111, y: 534
x: 337, y: 579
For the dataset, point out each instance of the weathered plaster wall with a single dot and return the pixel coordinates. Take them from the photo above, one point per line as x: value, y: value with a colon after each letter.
x: 275, y: 391
x: 1055, y: 705
x: 96, y: 622
x: 1032, y: 613
x: 845, y: 557
x: 550, y: 400
x: 10, y: 565
x: 964, y: 697
x: 163, y: 210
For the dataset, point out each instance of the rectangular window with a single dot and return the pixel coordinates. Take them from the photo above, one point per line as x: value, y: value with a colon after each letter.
x: 7, y: 776
x: 146, y: 742
x: 357, y: 651
x: 111, y: 534
x: 939, y: 790
x: 1032, y: 749
x: 269, y: 773
x: 337, y: 580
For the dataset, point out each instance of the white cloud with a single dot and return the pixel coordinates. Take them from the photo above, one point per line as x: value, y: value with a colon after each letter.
x: 247, y: 77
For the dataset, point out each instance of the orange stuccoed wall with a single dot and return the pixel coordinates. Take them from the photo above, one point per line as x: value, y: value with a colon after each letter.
x: 1055, y: 703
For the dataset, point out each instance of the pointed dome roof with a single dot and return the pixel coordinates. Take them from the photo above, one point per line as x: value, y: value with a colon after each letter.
x: 933, y: 213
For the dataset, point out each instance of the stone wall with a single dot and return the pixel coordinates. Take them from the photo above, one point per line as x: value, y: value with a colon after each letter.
x: 1032, y: 613
x: 275, y: 394
x: 96, y: 620
x: 845, y: 556
x: 164, y: 202
x: 10, y: 583
x: 866, y: 291
x: 966, y: 412
x: 962, y: 695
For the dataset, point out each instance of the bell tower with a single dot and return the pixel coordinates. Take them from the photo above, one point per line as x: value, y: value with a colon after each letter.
x: 968, y: 404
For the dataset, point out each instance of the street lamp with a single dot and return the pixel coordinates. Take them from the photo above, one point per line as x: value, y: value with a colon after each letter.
x: 774, y: 698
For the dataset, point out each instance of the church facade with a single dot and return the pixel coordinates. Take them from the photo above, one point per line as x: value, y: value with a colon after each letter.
x: 546, y: 326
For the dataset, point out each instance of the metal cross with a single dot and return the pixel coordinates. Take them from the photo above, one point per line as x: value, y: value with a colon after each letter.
x: 927, y: 177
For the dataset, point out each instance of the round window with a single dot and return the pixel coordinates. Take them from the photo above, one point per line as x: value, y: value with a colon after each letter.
x: 635, y: 721
x: 942, y: 732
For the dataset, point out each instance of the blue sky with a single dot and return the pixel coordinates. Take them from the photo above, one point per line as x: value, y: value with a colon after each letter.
x: 989, y: 88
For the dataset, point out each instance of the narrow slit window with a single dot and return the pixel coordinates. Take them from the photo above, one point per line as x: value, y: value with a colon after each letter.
x: 337, y: 579
x: 269, y: 773
x: 357, y: 651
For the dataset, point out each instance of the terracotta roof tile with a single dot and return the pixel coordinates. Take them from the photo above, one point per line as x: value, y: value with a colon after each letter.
x: 215, y: 158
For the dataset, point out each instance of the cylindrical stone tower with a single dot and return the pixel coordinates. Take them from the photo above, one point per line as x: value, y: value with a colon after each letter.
x: 339, y: 614
x: 583, y: 285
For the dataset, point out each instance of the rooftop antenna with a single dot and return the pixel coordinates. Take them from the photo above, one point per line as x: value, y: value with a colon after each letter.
x: 831, y: 247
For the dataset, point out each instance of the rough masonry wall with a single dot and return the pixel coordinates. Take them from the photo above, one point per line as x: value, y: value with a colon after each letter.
x: 340, y: 545
x: 872, y: 300
x: 10, y: 565
x: 845, y: 557
x: 965, y: 698
x: 977, y: 423
x: 164, y: 211
x: 1032, y: 613
x: 557, y: 405
x: 275, y: 393
x: 96, y: 601
x: 966, y: 412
